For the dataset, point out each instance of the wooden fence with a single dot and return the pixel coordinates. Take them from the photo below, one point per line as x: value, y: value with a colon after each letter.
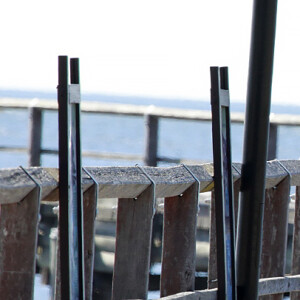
x: 152, y: 116
x: 22, y: 190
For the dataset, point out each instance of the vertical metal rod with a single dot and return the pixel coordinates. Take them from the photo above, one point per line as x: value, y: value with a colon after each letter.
x: 71, y: 212
x: 78, y: 201
x: 224, y: 202
x: 64, y: 179
x: 249, y: 239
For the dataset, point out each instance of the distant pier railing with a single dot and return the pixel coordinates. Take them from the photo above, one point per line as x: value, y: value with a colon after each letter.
x: 22, y: 191
x: 152, y: 116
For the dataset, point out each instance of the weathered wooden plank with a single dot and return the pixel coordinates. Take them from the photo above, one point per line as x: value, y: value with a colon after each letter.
x: 275, y: 173
x: 18, y: 240
x: 47, y: 182
x: 89, y: 215
x: 266, y: 286
x: 170, y: 181
x: 293, y: 167
x: 204, y: 175
x: 179, y: 242
x: 197, y: 295
x: 275, y: 232
x: 123, y: 182
x: 212, y: 281
x: 277, y: 285
x: 14, y: 185
x: 133, y: 246
x: 296, y: 242
x: 119, y: 182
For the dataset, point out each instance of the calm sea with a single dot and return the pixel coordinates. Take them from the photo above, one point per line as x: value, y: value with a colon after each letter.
x: 117, y: 134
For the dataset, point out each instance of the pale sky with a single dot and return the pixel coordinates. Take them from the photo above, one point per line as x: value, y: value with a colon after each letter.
x: 144, y: 48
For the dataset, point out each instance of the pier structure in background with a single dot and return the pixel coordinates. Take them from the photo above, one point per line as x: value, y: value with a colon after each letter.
x: 36, y: 134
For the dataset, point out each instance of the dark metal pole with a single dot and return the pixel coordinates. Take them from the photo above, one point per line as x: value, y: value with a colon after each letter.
x: 224, y: 203
x: 77, y: 203
x: 70, y: 193
x: 251, y: 209
x: 64, y: 178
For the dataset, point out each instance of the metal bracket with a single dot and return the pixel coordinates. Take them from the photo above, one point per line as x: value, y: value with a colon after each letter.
x: 152, y: 182
x: 284, y: 167
x: 196, y: 179
x: 34, y: 180
x: 74, y: 93
x: 95, y: 183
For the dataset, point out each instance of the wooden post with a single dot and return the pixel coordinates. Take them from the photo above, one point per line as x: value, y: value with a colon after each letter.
x: 275, y: 225
x: 18, y: 240
x: 35, y: 138
x: 151, y: 123
x: 296, y: 242
x: 89, y: 214
x: 179, y: 242
x: 133, y: 246
x: 272, y: 148
x: 212, y: 281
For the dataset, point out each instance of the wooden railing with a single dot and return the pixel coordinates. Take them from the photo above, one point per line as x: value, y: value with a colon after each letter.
x: 152, y: 116
x: 22, y: 190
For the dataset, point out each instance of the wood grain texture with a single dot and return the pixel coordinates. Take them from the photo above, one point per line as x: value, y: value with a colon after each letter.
x: 133, y: 246
x: 212, y: 279
x: 129, y: 182
x: 18, y: 240
x: 275, y: 224
x: 179, y: 242
x: 296, y: 242
x: 89, y: 215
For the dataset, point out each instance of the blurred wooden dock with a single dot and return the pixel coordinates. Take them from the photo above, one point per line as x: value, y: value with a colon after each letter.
x: 22, y: 191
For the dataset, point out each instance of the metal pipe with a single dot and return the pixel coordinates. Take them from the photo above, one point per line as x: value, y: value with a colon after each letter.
x: 249, y: 238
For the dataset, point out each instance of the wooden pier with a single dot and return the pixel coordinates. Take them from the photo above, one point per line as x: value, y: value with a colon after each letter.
x: 152, y: 116
x: 22, y: 191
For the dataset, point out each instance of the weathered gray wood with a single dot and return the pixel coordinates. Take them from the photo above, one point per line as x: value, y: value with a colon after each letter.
x: 275, y: 173
x: 179, y: 242
x: 151, y: 140
x: 89, y: 215
x: 14, y: 185
x: 119, y: 182
x: 127, y: 182
x: 275, y: 232
x: 35, y: 136
x: 212, y: 281
x: 279, y: 285
x: 18, y: 240
x: 170, y: 181
x: 296, y: 242
x: 133, y: 246
x: 123, y: 182
x: 293, y: 167
x: 197, y: 295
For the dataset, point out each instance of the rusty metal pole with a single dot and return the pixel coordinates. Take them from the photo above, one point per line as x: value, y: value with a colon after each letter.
x: 249, y: 238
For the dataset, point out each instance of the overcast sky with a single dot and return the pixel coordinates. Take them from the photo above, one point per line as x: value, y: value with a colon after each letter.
x: 145, y: 48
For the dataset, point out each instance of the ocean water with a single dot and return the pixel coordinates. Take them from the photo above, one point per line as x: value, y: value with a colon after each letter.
x: 189, y: 140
